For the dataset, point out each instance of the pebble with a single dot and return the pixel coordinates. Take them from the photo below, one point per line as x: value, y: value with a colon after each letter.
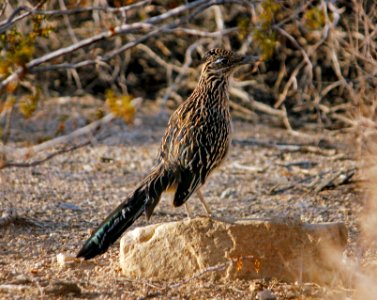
x: 266, y: 295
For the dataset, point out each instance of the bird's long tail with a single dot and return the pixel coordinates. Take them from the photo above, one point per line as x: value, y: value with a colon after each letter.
x: 144, y: 199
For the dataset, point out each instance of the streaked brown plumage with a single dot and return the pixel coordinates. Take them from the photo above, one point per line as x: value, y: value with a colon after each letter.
x: 195, y: 143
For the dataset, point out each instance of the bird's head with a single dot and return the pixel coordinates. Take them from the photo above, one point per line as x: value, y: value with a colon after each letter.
x: 220, y: 62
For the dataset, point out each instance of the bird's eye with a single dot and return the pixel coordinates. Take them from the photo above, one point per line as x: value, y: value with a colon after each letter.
x: 221, y: 61
x: 212, y: 52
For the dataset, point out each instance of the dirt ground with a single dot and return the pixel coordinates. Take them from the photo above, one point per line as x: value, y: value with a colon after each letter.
x: 269, y: 172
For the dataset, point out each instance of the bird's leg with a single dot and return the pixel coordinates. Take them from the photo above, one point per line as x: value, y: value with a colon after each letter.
x: 188, y: 211
x: 204, y: 203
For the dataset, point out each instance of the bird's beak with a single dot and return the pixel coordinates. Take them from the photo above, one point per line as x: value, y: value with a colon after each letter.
x: 247, y: 59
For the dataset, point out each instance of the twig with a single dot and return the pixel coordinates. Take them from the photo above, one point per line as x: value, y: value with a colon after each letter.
x: 286, y: 120
x: 240, y: 93
x: 188, y: 60
x: 295, y: 15
x: 3, y: 6
x: 68, y: 23
x: 296, y: 44
x: 158, y: 59
x: 344, y: 119
x: 80, y: 64
x: 220, y: 24
x: 330, y: 87
x: 291, y: 80
x: 143, y: 282
x: 13, y: 19
x: 324, y: 180
x: 287, y: 147
x: 131, y: 44
x: 337, y: 179
x: 10, y: 216
x: 190, y: 31
x: 251, y: 169
x: 40, y: 161
x: 243, y: 112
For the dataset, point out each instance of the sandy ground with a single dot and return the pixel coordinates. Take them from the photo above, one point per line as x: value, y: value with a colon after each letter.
x: 268, y: 173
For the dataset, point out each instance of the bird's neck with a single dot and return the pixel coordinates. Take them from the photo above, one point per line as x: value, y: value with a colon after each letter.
x: 214, y: 89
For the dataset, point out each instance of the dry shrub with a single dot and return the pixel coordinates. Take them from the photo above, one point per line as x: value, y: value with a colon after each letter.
x: 324, y: 66
x: 320, y: 56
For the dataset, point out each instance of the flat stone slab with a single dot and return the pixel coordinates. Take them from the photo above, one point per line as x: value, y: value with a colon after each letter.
x: 249, y: 249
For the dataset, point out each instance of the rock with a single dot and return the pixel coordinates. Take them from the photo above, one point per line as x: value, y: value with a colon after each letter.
x: 11, y: 288
x: 249, y: 249
x: 64, y: 260
x: 265, y: 295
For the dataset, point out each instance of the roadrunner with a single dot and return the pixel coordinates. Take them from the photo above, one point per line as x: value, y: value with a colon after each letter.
x: 195, y: 143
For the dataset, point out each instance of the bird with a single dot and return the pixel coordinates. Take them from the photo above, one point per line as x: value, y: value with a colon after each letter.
x: 195, y: 143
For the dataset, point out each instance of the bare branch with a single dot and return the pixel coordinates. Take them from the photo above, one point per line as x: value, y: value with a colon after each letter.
x: 238, y: 92
x: 188, y: 60
x: 157, y: 58
x: 102, y: 59
x: 35, y: 11
x: 68, y: 23
x: 293, y: 40
x: 292, y: 79
x: 219, y: 33
x: 199, y: 5
x: 13, y: 19
x: 3, y: 6
x: 77, y: 65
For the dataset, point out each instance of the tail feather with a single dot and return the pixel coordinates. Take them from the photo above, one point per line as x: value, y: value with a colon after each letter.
x: 144, y: 199
x: 164, y: 181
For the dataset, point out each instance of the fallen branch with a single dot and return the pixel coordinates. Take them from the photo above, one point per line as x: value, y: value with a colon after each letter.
x: 6, y: 164
x: 339, y: 178
x: 288, y: 147
x: 66, y: 139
